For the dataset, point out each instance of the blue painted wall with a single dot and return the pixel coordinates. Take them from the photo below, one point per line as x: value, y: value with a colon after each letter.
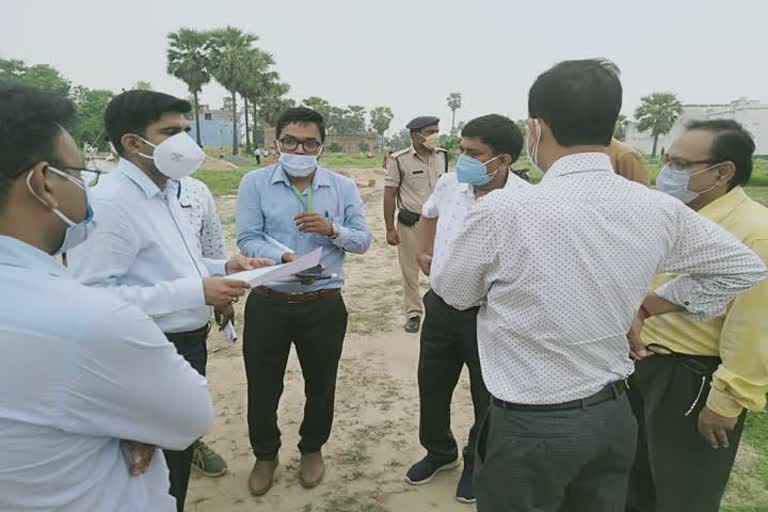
x: 215, y: 133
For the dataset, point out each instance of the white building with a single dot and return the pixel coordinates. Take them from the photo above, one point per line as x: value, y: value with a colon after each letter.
x: 752, y: 114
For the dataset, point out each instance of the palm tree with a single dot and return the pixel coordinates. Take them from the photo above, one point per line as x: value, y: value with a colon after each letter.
x: 356, y: 118
x: 188, y: 61
x: 454, y: 103
x: 620, y: 129
x: 231, y: 50
x: 381, y: 117
x: 658, y: 113
x: 255, y: 83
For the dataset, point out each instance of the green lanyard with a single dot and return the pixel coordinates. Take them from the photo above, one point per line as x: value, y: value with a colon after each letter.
x: 308, y: 206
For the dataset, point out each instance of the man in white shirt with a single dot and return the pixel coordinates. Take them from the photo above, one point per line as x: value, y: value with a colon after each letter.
x: 143, y: 249
x: 560, y: 271
x: 489, y: 146
x: 84, y: 376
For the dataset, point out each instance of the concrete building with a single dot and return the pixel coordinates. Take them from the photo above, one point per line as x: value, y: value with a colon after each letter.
x: 216, y: 127
x: 752, y: 114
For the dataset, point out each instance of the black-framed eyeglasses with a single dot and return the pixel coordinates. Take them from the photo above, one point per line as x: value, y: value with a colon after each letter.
x: 680, y: 164
x: 291, y: 144
x: 88, y: 177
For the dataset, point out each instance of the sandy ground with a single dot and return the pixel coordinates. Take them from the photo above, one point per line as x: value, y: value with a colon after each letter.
x: 375, y: 436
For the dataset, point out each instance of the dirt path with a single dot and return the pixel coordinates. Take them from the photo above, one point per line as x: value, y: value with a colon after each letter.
x: 375, y: 436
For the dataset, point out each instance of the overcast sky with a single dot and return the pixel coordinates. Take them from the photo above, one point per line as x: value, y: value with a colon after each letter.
x: 409, y: 54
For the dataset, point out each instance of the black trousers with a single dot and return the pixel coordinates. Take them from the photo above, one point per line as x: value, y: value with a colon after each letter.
x: 448, y: 342
x: 574, y: 460
x: 317, y: 329
x: 675, y: 469
x: 192, y: 347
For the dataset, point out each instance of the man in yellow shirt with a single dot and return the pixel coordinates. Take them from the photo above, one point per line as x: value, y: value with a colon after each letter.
x: 691, y: 395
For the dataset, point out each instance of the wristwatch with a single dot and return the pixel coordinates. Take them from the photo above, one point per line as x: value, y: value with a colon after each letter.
x: 334, y: 231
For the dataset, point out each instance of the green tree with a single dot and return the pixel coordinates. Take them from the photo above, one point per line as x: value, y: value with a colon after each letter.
x: 620, y: 130
x: 400, y: 140
x: 42, y: 76
x: 364, y: 147
x: 449, y: 142
x: 257, y: 80
x: 91, y: 105
x: 356, y: 118
x: 188, y: 60
x: 141, y: 85
x: 454, y: 103
x: 381, y: 118
x: 318, y: 104
x: 658, y: 113
x: 231, y: 50
x: 334, y: 147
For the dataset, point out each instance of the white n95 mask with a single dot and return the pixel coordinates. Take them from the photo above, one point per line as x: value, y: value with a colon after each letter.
x: 177, y: 156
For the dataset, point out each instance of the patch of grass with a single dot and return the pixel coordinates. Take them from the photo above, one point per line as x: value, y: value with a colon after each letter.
x: 748, y: 486
x: 759, y: 194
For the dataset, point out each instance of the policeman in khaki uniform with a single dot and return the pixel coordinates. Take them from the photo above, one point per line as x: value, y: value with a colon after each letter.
x: 411, y: 176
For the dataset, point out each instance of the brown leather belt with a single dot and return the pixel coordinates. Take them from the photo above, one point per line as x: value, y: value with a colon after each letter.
x: 296, y: 298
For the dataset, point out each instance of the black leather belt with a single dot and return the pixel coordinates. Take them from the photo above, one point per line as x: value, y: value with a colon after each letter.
x: 610, y: 392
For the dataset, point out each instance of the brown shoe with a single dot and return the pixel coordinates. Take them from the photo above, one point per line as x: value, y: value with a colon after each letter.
x: 312, y: 470
x: 263, y: 475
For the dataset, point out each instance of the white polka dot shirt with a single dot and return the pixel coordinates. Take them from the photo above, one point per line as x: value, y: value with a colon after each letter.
x: 450, y: 203
x: 562, y: 267
x: 199, y: 207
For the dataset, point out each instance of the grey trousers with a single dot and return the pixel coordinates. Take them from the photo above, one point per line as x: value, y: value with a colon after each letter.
x: 675, y: 469
x: 574, y: 460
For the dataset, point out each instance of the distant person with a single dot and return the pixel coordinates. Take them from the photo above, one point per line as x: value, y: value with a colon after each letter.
x: 489, y: 146
x: 258, y: 154
x: 411, y: 177
x: 628, y: 162
x: 143, y: 249
x: 86, y: 380
x: 561, y: 272
x: 303, y: 206
x: 691, y: 397
x: 387, y: 156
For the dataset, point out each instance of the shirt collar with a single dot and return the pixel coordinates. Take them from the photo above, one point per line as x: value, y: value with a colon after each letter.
x: 579, y: 162
x: 322, y: 177
x: 15, y: 253
x: 724, y: 206
x: 137, y: 176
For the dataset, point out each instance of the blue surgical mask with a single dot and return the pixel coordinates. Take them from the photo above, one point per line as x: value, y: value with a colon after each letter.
x: 77, y: 232
x: 298, y: 166
x: 471, y: 170
x: 675, y: 183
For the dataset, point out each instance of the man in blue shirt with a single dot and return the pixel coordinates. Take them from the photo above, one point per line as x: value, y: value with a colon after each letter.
x: 82, y: 371
x: 298, y: 205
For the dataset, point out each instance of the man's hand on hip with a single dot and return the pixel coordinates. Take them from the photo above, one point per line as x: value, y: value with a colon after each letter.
x: 139, y: 457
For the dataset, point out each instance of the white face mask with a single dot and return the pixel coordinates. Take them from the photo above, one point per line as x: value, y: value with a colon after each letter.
x: 430, y: 141
x: 675, y: 182
x: 533, y: 152
x: 177, y: 156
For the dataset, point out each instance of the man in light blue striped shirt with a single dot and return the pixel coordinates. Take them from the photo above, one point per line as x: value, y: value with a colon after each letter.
x: 302, y: 206
x: 84, y: 376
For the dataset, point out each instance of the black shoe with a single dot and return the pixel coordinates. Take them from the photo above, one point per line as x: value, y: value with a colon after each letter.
x: 425, y: 470
x: 465, y: 490
x: 413, y: 324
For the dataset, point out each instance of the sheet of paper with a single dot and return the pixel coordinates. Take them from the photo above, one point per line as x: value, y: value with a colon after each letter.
x: 277, y: 273
x: 277, y: 244
x: 230, y: 333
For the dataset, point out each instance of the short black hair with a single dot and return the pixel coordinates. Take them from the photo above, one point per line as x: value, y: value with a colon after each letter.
x: 300, y: 115
x: 31, y: 120
x: 498, y: 132
x: 134, y: 111
x: 580, y: 101
x: 732, y: 144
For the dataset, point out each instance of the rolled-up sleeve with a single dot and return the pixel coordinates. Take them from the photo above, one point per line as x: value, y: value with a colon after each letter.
x: 716, y: 267
x: 354, y: 235
x: 250, y: 222
x: 741, y: 380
